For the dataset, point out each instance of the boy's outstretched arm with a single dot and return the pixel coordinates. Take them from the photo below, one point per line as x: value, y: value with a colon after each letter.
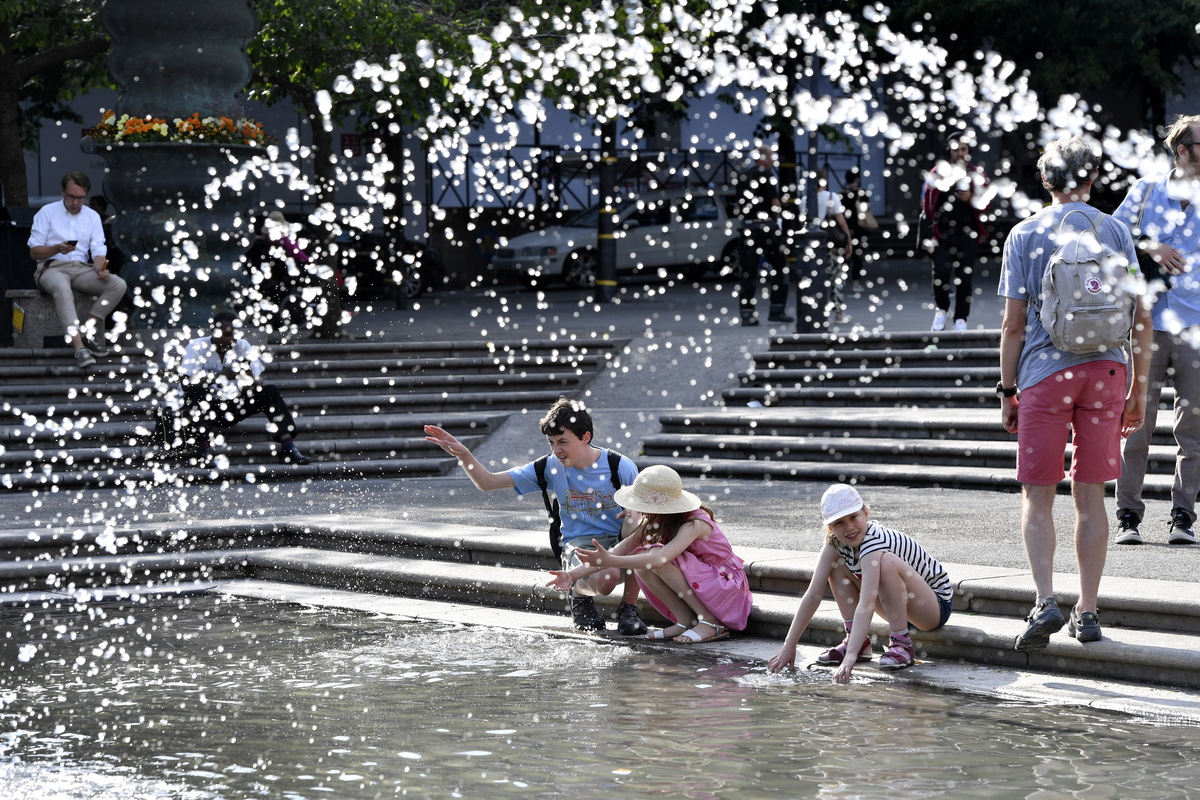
x: 479, y: 475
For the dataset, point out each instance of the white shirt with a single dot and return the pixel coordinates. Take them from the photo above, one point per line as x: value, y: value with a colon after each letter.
x: 53, y: 225
x: 828, y: 204
x: 200, y: 357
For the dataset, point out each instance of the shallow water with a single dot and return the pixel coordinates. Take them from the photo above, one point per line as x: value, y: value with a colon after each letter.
x: 210, y: 698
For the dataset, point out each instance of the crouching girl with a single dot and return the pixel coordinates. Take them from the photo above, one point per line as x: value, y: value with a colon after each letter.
x: 871, y: 570
x: 681, y: 559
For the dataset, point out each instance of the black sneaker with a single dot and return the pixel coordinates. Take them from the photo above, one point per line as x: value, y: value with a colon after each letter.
x: 1181, y: 527
x: 290, y: 454
x: 1084, y: 626
x: 628, y: 621
x: 1044, y: 620
x: 587, y: 618
x: 749, y: 322
x: 780, y: 316
x: 1127, y: 526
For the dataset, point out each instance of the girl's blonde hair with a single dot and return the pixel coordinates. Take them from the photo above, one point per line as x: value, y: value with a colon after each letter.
x: 830, y: 538
x: 661, y: 528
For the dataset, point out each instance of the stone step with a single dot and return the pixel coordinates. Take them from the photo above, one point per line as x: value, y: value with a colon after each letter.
x: 984, y: 377
x: 911, y: 340
x: 875, y: 358
x: 833, y: 449
x: 265, y: 472
x: 980, y: 425
x: 1152, y: 628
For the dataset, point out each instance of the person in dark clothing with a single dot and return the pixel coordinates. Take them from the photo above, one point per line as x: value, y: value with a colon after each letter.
x: 953, y: 201
x: 761, y: 253
x: 221, y: 387
x: 854, y: 199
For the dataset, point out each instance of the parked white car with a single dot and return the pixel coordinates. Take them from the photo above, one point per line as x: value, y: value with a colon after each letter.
x: 687, y: 232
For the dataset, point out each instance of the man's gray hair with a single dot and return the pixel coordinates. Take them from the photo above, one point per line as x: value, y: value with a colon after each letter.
x: 1069, y: 164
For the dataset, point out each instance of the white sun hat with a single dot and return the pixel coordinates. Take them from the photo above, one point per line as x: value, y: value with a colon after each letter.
x: 840, y: 500
x: 657, y: 490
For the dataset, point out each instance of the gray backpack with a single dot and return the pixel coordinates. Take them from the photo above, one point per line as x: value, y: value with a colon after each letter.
x: 1088, y: 292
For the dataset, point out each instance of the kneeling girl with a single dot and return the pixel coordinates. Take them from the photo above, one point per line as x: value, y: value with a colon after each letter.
x: 871, y: 570
x: 680, y: 557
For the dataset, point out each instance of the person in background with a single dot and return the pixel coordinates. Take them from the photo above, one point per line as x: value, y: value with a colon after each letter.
x: 221, y: 386
x: 1161, y: 215
x: 954, y: 198
x: 63, y: 237
x: 854, y: 201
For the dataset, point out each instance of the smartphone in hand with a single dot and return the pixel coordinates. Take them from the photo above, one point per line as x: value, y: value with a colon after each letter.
x: 72, y: 242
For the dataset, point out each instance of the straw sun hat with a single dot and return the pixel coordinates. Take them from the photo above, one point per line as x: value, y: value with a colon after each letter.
x: 657, y: 490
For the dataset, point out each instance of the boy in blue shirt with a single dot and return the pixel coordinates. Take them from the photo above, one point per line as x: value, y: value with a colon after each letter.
x: 578, y: 475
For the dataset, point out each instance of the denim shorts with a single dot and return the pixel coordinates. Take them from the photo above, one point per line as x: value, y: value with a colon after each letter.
x: 570, y: 560
x: 944, y: 609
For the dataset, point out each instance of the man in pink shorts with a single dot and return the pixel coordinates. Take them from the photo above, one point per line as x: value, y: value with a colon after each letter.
x: 1088, y: 395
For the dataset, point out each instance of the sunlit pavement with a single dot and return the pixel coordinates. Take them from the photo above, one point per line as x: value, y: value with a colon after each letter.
x: 685, y: 346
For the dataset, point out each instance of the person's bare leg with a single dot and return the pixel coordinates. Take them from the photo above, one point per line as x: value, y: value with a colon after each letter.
x: 1091, y: 541
x: 598, y: 583
x: 1037, y: 530
x: 905, y: 597
x: 681, y: 611
x: 844, y: 586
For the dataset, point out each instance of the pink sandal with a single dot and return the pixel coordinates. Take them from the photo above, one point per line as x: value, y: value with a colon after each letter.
x: 836, y: 655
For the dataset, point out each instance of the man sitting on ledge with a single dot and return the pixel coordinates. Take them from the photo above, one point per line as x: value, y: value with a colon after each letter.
x: 63, y: 234
x: 221, y: 388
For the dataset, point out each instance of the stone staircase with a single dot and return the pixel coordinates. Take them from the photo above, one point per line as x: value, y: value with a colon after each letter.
x: 910, y: 409
x: 360, y: 408
x: 1151, y: 628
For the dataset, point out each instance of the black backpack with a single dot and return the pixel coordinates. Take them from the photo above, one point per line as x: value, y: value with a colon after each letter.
x: 539, y: 470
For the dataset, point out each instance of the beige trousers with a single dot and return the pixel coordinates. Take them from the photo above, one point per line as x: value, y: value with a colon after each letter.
x: 60, y: 279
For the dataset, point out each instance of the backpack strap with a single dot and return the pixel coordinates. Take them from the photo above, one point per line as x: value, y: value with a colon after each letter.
x: 614, y: 468
x: 539, y: 472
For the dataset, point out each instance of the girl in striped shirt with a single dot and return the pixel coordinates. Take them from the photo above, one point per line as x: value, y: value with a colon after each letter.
x: 871, y: 570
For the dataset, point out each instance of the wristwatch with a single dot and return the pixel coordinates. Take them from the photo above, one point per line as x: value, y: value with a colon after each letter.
x: 1002, y: 392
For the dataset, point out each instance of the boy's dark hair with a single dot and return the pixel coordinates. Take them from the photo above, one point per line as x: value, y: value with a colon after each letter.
x: 851, y: 175
x: 223, y: 316
x: 567, y: 415
x: 78, y: 178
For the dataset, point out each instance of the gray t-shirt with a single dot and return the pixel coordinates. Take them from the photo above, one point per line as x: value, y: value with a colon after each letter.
x: 1026, y: 252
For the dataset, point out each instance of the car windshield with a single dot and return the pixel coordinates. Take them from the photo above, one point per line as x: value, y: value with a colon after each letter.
x: 590, y: 218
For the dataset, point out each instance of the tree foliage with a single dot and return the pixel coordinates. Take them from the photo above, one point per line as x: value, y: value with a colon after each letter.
x: 50, y: 52
x: 1071, y: 46
x: 314, y: 53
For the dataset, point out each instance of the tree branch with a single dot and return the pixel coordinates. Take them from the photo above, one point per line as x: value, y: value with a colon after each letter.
x: 52, y: 57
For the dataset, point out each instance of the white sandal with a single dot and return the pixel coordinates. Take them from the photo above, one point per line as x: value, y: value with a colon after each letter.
x: 661, y: 633
x: 691, y: 637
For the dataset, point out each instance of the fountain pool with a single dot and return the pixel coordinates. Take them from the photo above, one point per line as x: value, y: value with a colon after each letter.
x: 210, y: 697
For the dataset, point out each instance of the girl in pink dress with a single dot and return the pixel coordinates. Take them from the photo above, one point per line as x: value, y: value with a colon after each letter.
x: 680, y: 557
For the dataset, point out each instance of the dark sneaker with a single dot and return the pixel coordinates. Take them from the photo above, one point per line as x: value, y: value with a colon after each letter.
x: 749, y: 322
x: 290, y: 454
x: 901, y: 653
x: 1181, y: 527
x: 84, y: 358
x: 1084, y: 626
x: 1044, y: 620
x: 1127, y: 526
x: 780, y: 316
x: 97, y: 346
x: 836, y: 655
x: 628, y: 621
x: 587, y: 618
